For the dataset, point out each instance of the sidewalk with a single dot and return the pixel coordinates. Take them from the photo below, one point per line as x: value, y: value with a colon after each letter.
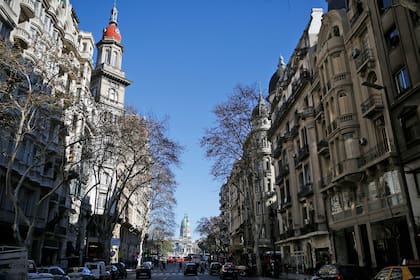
x: 285, y: 276
x: 296, y: 276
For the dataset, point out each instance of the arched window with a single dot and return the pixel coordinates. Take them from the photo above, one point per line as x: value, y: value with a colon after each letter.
x: 114, y: 58
x: 107, y: 56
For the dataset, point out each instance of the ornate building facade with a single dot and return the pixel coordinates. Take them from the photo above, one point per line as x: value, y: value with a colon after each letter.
x: 344, y: 134
x: 61, y: 234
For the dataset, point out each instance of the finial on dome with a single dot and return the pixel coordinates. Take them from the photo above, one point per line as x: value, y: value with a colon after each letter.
x: 114, y: 14
x: 281, y: 61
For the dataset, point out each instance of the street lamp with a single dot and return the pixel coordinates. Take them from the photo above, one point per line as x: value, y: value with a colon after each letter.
x: 400, y: 165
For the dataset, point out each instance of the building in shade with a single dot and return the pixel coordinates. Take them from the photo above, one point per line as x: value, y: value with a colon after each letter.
x: 184, y: 245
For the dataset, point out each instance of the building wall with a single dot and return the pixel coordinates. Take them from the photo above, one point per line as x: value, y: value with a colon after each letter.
x: 60, y: 235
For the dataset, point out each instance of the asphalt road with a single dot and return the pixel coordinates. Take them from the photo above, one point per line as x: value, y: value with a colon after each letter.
x: 172, y: 272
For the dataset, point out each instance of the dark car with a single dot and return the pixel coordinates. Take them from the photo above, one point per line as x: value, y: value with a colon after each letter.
x: 214, y: 268
x: 190, y: 268
x: 121, y: 269
x: 229, y: 271
x: 342, y: 272
x: 56, y: 271
x: 145, y: 270
x: 113, y: 271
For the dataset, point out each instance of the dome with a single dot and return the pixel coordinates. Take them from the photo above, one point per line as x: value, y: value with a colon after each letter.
x: 273, y: 82
x: 112, y: 32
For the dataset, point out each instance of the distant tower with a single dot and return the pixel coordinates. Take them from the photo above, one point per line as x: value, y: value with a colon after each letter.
x: 185, y: 231
x: 108, y: 80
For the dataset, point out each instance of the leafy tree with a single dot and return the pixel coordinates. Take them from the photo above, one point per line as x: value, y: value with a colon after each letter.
x: 214, y: 234
x: 33, y: 99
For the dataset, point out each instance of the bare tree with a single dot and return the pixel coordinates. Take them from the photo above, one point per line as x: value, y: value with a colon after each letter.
x: 229, y: 145
x: 33, y: 98
x: 130, y: 162
x: 224, y: 143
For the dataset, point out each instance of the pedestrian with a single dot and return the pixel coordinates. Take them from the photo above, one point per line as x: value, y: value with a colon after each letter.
x: 180, y: 266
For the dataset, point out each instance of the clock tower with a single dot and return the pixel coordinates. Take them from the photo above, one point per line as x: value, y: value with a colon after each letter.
x: 108, y: 81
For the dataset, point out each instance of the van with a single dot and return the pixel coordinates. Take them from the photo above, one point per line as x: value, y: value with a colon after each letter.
x: 97, y: 269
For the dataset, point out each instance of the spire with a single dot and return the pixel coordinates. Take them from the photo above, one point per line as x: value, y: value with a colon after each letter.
x: 112, y: 31
x: 114, y: 14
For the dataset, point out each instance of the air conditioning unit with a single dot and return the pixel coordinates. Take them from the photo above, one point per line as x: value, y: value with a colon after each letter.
x: 306, y: 221
x: 355, y: 52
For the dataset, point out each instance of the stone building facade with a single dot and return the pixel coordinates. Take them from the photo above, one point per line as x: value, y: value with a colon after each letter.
x: 61, y: 235
x: 344, y: 135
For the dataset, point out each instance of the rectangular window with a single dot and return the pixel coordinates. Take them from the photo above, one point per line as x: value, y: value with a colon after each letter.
x: 417, y: 180
x: 392, y: 37
x: 411, y: 128
x: 402, y: 80
x: 384, y: 4
x: 100, y: 203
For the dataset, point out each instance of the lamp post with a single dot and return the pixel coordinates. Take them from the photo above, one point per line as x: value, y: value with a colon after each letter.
x: 400, y: 165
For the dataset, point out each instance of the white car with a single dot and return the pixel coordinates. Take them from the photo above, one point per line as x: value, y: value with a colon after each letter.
x: 80, y: 273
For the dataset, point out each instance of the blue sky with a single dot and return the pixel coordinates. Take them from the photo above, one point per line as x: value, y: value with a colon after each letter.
x: 186, y: 56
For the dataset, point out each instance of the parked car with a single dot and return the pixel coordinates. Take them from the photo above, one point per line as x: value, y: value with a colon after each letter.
x: 56, y: 271
x: 191, y: 268
x: 98, y: 269
x: 214, y: 268
x: 342, y: 272
x: 144, y: 270
x: 150, y: 264
x: 113, y: 271
x: 229, y: 271
x: 121, y: 269
x: 402, y: 272
x: 80, y: 273
x: 33, y: 272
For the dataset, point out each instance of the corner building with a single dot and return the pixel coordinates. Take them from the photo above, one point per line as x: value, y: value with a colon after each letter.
x: 344, y: 129
x: 366, y: 194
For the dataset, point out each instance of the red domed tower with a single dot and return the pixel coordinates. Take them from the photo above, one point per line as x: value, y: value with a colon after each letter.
x: 108, y: 81
x: 112, y: 31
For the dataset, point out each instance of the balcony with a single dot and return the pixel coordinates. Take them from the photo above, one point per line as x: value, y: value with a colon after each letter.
x: 364, y: 59
x: 287, y: 234
x: 285, y: 203
x: 28, y: 8
x: 325, y: 181
x: 303, y: 152
x: 23, y: 36
x: 323, y: 148
x: 307, y: 112
x: 386, y: 202
x: 341, y: 122
x: 277, y: 151
x: 372, y: 106
x: 308, y: 227
x: 305, y: 190
x: 318, y: 111
x: 376, y: 154
x: 283, y: 172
